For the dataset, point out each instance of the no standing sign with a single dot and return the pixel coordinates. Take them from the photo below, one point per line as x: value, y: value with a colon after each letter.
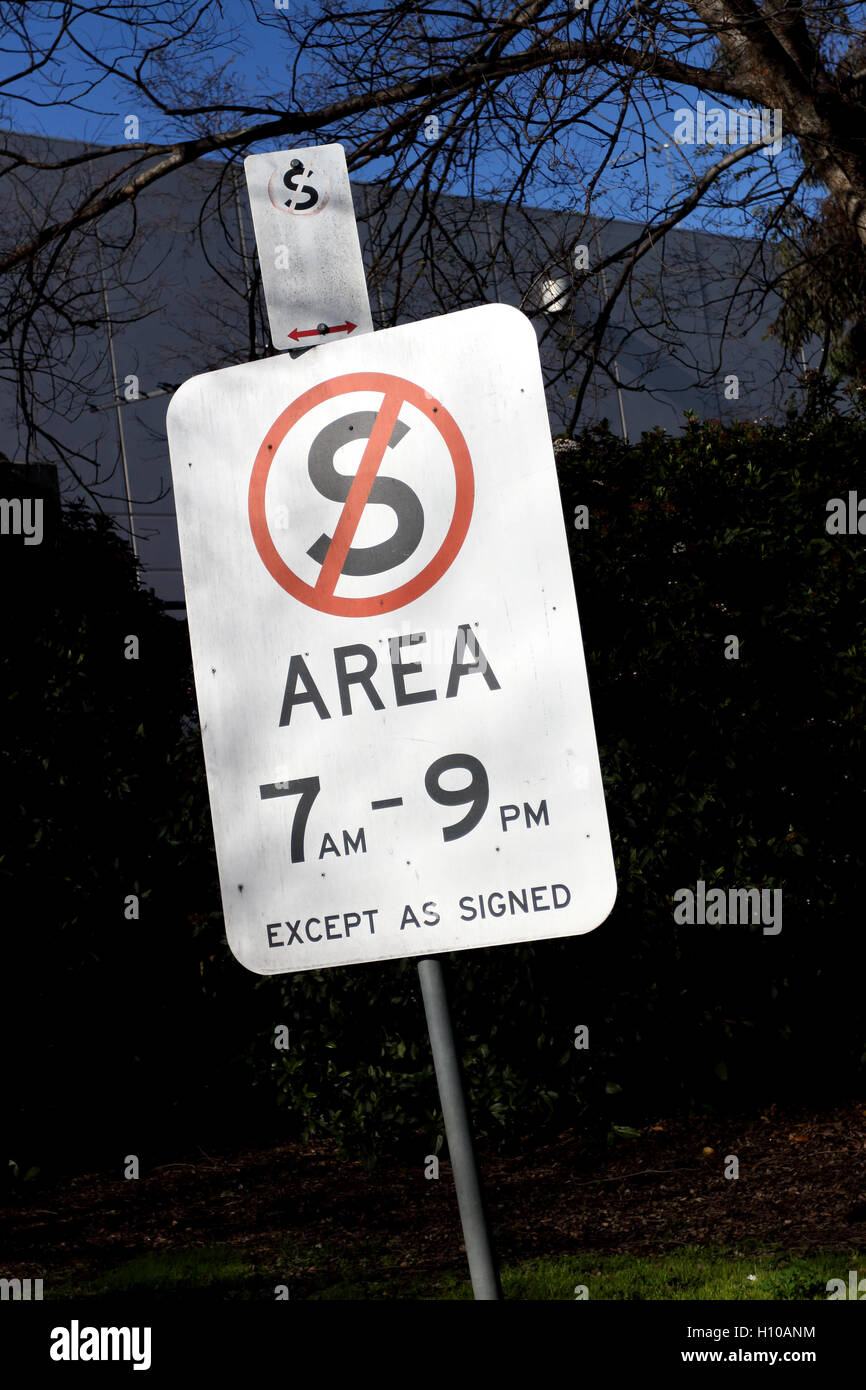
x: 394, y: 705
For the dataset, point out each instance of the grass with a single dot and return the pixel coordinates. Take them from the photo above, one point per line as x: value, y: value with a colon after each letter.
x: 706, y: 1274
x: 217, y: 1273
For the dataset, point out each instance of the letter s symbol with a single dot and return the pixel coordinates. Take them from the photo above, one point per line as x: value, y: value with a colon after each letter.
x: 289, y: 179
x: 388, y: 492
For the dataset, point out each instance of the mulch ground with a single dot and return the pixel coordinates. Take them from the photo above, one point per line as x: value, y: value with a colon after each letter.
x: 801, y: 1186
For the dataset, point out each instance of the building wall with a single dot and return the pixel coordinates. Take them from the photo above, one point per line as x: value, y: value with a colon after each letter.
x: 171, y: 291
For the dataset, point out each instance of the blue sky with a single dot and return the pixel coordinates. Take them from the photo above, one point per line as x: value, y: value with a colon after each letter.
x: 249, y: 56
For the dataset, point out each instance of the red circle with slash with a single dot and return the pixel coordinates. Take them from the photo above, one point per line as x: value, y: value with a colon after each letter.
x: 321, y: 595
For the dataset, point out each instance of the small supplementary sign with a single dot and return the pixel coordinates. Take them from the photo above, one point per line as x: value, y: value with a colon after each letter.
x: 307, y: 240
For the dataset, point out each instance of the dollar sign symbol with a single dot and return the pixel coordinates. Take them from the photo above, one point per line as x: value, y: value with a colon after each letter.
x: 289, y: 179
x: 388, y: 492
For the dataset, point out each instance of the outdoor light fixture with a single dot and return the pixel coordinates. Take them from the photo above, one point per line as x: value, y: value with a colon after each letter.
x: 552, y: 294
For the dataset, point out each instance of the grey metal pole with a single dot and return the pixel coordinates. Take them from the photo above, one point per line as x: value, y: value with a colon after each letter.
x: 114, y: 381
x: 470, y: 1202
x: 622, y: 421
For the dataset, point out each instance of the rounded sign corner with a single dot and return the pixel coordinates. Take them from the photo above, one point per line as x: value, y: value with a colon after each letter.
x: 179, y: 397
x: 510, y: 311
x: 609, y: 901
x: 241, y: 960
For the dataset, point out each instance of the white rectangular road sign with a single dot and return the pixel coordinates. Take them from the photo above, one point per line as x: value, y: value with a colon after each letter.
x: 395, y: 713
x: 307, y: 240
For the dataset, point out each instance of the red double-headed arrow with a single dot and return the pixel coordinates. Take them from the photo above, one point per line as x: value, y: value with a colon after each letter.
x: 346, y: 327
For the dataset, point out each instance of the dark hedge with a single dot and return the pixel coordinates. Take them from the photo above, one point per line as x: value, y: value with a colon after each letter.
x: 134, y: 1036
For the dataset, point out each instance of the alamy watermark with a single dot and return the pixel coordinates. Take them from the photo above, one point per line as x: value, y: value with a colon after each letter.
x: 77, y: 1343
x: 855, y: 1289
x: 719, y: 126
x: 440, y: 649
x: 847, y: 516
x: 22, y: 516
x: 20, y: 1290
x: 736, y: 907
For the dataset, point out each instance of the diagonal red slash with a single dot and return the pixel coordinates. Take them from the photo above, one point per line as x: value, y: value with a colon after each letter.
x: 359, y: 492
